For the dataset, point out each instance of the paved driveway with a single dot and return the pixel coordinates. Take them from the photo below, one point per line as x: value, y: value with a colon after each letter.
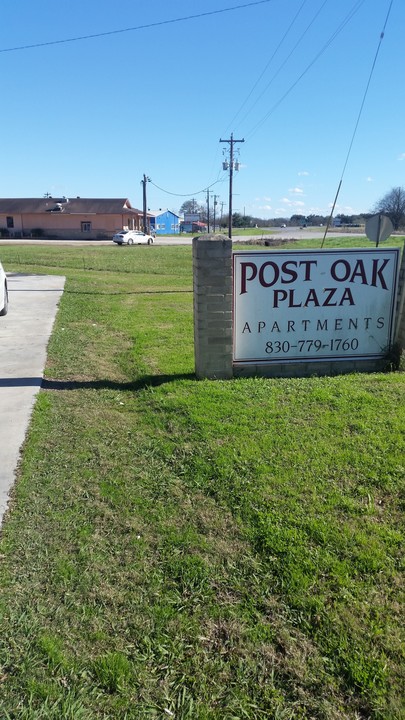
x: 24, y: 335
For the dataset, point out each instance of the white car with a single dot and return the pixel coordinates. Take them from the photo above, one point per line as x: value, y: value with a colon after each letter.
x: 3, y: 292
x: 132, y: 237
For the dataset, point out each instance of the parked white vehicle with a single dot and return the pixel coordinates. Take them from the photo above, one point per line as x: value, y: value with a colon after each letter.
x: 132, y: 237
x: 3, y: 292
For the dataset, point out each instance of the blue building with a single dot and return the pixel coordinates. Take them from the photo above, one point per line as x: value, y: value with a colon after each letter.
x: 164, y: 222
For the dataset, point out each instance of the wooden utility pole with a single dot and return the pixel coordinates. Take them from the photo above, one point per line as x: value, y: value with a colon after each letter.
x: 145, y: 225
x: 215, y: 207
x: 231, y: 142
x: 222, y: 212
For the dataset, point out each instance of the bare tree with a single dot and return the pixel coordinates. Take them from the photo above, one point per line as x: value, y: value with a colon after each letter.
x: 393, y: 205
x: 191, y: 206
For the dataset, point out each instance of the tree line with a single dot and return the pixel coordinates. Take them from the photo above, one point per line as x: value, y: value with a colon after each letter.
x: 391, y: 204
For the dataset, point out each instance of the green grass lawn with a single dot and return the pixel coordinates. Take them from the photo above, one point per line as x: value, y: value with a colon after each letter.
x: 203, y: 550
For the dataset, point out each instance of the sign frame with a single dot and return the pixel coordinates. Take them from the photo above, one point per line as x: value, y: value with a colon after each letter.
x: 278, y: 296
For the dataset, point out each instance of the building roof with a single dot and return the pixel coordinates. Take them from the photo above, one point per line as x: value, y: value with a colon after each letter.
x: 157, y: 213
x: 68, y: 206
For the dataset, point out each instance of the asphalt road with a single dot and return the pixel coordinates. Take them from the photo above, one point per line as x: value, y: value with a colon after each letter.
x: 290, y: 233
x: 24, y: 334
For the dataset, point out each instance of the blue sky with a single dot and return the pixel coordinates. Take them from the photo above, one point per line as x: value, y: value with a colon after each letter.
x: 90, y: 117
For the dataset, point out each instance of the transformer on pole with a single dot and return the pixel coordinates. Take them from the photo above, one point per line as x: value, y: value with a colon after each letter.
x: 232, y: 166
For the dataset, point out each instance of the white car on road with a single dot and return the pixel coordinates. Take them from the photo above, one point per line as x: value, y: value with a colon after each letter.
x: 3, y: 292
x: 132, y: 237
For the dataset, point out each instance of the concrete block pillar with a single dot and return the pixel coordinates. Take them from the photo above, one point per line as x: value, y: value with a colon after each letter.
x: 400, y: 330
x: 212, y: 280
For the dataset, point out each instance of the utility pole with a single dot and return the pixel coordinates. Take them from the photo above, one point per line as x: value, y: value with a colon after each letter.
x: 231, y: 142
x: 208, y: 210
x: 144, y: 181
x: 215, y: 207
x: 222, y: 212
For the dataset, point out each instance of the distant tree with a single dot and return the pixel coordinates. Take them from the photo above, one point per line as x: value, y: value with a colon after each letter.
x: 316, y: 219
x: 237, y: 220
x: 393, y: 205
x: 242, y: 221
x: 191, y: 206
x: 345, y: 219
x: 297, y: 219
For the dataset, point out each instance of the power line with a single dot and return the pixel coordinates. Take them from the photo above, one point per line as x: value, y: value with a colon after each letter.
x: 265, y: 68
x: 358, y: 120
x: 367, y: 88
x: 301, y: 38
x: 334, y: 35
x: 187, y: 194
x: 137, y: 27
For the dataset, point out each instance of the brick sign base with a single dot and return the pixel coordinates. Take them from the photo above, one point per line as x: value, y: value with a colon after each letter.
x: 213, y: 323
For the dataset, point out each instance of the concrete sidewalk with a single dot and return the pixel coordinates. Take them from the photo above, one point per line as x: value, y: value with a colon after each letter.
x: 24, y: 335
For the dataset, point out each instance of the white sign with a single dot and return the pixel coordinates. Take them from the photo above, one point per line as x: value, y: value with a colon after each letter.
x: 297, y: 306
